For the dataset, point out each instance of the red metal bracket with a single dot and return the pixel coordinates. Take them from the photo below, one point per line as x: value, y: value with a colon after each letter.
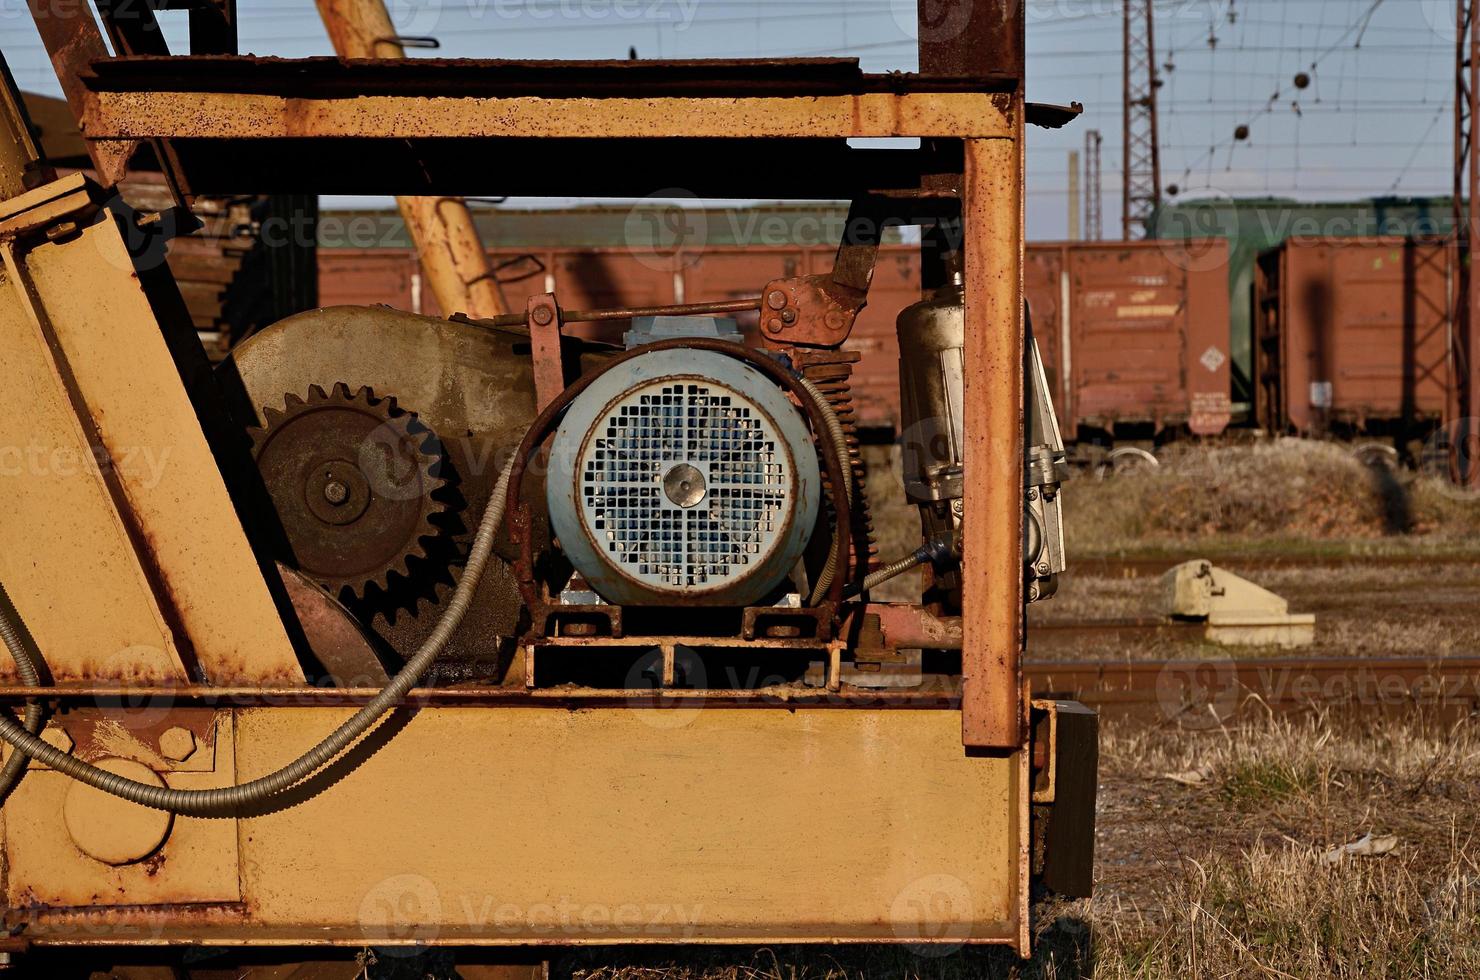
x: 542, y: 316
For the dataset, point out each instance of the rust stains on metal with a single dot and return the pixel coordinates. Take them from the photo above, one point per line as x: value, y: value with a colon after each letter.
x: 211, y: 115
x: 543, y: 320
x: 993, y: 706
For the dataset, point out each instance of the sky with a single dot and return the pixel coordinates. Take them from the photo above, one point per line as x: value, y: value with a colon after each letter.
x: 1375, y: 118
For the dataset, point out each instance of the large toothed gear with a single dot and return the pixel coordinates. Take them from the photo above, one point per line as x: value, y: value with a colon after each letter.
x: 353, y: 479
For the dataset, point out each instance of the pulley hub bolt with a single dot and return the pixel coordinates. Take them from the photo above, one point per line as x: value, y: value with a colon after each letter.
x: 336, y: 493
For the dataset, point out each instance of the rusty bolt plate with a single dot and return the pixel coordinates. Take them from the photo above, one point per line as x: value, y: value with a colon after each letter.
x: 109, y: 829
x: 177, y: 744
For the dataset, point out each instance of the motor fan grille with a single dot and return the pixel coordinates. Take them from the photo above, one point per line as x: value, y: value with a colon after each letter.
x: 721, y: 449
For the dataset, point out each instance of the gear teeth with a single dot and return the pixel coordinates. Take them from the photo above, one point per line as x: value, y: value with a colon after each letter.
x: 384, y: 582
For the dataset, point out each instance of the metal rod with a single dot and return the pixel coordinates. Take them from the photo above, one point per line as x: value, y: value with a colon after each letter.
x: 592, y: 316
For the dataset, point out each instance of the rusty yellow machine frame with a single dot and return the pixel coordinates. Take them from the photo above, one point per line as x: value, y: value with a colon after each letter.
x: 474, y: 816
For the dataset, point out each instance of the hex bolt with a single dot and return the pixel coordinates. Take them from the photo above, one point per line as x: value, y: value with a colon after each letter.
x: 543, y: 315
x: 776, y: 299
x: 335, y: 492
x: 177, y: 744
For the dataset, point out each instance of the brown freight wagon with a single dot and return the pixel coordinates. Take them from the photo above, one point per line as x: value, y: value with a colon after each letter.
x: 594, y: 277
x: 1352, y: 335
x: 1145, y: 343
x: 1134, y: 334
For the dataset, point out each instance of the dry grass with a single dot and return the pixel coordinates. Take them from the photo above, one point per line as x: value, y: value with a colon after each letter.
x: 1245, y: 889
x: 1278, y: 493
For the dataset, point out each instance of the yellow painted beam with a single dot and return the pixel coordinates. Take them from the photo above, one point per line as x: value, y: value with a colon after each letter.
x: 215, y: 115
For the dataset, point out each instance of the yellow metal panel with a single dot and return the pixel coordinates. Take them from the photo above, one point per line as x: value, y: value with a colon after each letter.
x: 126, y: 115
x: 109, y: 352
x: 524, y: 825
x: 197, y: 862
x: 67, y: 561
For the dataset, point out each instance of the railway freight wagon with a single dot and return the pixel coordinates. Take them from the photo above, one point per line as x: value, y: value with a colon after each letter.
x: 1143, y: 348
x: 1254, y: 225
x: 1135, y: 335
x: 1354, y: 336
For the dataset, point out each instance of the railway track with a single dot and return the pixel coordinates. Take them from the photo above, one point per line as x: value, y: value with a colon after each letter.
x: 1146, y: 567
x: 1208, y: 692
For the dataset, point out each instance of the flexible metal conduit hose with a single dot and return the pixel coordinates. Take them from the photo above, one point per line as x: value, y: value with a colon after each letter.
x: 225, y: 800
x: 30, y: 675
x: 895, y: 569
x: 840, y: 521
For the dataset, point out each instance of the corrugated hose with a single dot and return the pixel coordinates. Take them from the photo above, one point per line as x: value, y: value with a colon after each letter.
x: 226, y: 800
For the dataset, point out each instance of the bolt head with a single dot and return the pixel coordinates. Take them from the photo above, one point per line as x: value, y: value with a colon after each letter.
x: 789, y: 316
x: 335, y: 492
x: 776, y: 299
x: 774, y: 325
x: 177, y: 744
x: 543, y: 315
x: 57, y: 738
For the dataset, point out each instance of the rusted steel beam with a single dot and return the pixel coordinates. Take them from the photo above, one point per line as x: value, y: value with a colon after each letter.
x: 111, y: 115
x: 993, y: 706
x: 972, y: 38
x: 73, y: 42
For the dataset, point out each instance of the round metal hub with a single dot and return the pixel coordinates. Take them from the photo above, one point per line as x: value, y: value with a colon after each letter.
x: 685, y: 485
